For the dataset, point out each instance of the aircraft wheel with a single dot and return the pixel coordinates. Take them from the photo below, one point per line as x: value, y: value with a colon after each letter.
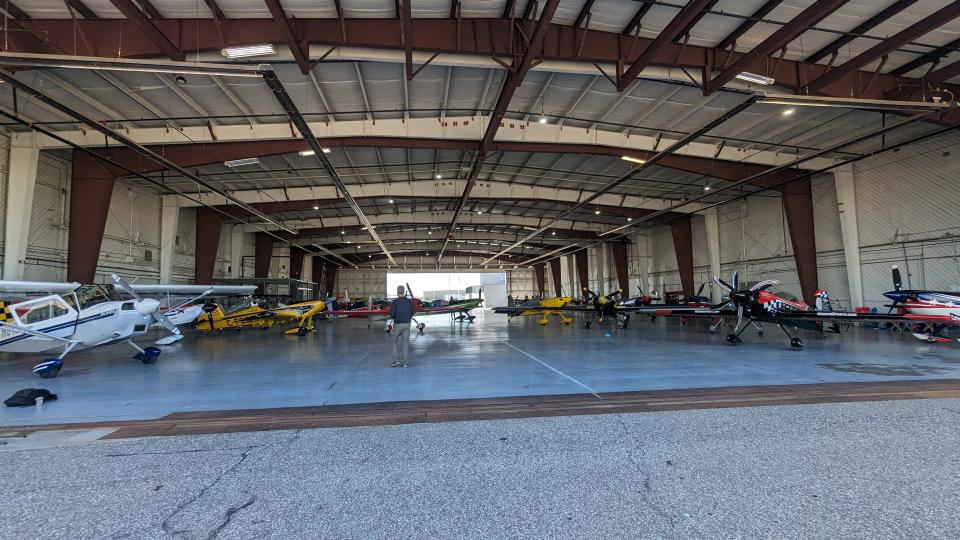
x: 625, y: 325
x: 586, y: 324
x: 733, y: 339
x: 149, y: 355
x: 421, y: 326
x: 712, y: 330
x: 796, y: 343
x: 49, y: 374
x: 301, y: 331
x: 471, y: 318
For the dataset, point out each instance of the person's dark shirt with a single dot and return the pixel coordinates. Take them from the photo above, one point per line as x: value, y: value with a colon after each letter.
x: 401, y: 310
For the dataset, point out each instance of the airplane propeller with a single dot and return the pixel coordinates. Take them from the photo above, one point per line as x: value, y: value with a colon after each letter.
x: 154, y: 313
x: 741, y: 299
x: 897, y: 286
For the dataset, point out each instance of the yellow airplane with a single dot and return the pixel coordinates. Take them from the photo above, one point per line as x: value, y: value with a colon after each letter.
x: 529, y: 309
x: 255, y: 316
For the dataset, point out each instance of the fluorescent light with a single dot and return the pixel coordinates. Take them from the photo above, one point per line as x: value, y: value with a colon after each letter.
x: 706, y: 188
x: 242, y: 162
x: 479, y: 211
x: 542, y: 120
x: 629, y: 219
x: 247, y: 51
x: 789, y: 112
x: 597, y: 212
x: 306, y: 153
x: 316, y: 207
x: 633, y: 159
x: 754, y: 78
x: 439, y: 177
x: 429, y: 232
x: 390, y: 201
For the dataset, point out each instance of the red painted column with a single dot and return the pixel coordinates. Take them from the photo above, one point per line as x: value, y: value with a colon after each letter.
x: 539, y: 271
x: 316, y: 272
x: 263, y: 253
x: 620, y: 261
x: 296, y: 263
x: 331, y: 279
x: 683, y: 246
x: 207, y: 244
x: 798, y: 208
x: 91, y: 188
x: 583, y: 272
x: 555, y: 272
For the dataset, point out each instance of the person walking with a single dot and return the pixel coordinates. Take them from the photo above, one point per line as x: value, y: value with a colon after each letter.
x: 401, y: 311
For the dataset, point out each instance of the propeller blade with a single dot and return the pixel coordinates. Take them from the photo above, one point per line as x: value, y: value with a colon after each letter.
x: 897, y: 280
x: 764, y: 285
x: 736, y: 281
x: 122, y: 284
x: 700, y: 290
x: 167, y: 324
x: 739, y: 315
x: 722, y: 284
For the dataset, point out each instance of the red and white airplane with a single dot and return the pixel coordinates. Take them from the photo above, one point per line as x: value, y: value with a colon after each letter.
x: 933, y: 309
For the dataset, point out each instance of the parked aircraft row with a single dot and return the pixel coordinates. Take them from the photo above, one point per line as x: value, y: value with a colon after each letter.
x: 42, y: 317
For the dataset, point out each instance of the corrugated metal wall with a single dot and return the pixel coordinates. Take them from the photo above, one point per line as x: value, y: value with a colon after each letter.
x: 907, y: 203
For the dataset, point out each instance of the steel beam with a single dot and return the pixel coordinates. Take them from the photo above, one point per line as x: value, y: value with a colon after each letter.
x: 779, y: 39
x: 682, y: 231
x: 263, y: 255
x: 923, y: 26
x: 207, y: 244
x: 481, y: 38
x: 860, y: 29
x: 637, y: 19
x: 513, y: 82
x: 83, y: 10
x: 798, y: 209
x: 687, y: 15
x: 289, y: 36
x: 932, y: 56
x: 13, y: 10
x: 149, y: 29
x: 620, y: 263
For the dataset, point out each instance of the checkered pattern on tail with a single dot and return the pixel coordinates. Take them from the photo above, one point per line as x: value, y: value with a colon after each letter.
x: 5, y: 315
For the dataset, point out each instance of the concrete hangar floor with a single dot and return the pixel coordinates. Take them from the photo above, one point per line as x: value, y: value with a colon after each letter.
x: 496, y: 429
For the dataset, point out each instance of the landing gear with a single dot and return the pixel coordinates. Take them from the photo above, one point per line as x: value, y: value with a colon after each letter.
x: 147, y: 356
x: 49, y: 368
x: 733, y: 339
x: 795, y: 342
x: 420, y: 327
x: 759, y: 328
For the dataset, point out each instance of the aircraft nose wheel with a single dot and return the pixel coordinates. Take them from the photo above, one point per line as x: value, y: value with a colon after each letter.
x: 148, y: 356
x: 421, y: 326
x: 733, y: 339
x: 586, y: 324
x: 49, y: 368
x: 796, y: 343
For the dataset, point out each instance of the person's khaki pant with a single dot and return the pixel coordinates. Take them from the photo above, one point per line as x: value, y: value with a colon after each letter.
x: 400, y: 340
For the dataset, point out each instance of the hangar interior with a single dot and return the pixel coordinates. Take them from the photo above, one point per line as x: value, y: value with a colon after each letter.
x: 642, y: 146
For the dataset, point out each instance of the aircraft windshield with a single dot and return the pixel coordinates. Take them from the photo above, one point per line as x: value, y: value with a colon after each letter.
x: 91, y: 295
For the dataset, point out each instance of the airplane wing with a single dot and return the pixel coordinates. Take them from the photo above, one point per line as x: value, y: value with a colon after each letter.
x: 37, y: 287
x: 214, y: 290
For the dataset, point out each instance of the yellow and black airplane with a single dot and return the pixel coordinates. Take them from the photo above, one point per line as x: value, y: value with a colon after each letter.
x: 535, y: 307
x: 214, y: 317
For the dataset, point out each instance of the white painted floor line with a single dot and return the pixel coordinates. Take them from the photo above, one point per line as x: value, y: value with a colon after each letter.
x: 555, y: 370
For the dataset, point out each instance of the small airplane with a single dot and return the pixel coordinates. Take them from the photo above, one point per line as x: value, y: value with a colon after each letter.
x: 534, y: 308
x: 71, y: 316
x: 459, y: 311
x: 928, y: 308
x: 755, y: 306
x: 184, y: 312
x: 252, y: 315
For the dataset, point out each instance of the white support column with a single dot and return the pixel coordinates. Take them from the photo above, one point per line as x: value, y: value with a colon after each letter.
x: 847, y: 206
x: 169, y: 219
x: 236, y: 251
x: 712, y: 228
x: 643, y: 263
x: 566, y: 274
x: 21, y: 180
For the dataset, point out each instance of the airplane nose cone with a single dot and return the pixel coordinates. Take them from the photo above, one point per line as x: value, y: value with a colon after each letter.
x: 147, y: 306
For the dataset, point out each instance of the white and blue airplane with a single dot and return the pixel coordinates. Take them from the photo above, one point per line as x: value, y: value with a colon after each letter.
x: 63, y: 317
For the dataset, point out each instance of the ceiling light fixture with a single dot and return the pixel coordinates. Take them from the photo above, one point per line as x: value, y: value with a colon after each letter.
x: 629, y: 219
x: 316, y: 207
x: 755, y: 79
x: 542, y: 120
x: 633, y: 159
x: 390, y: 201
x: 241, y: 162
x: 247, y: 51
x: 706, y: 188
x: 789, y: 112
x: 597, y: 212
x: 439, y: 177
